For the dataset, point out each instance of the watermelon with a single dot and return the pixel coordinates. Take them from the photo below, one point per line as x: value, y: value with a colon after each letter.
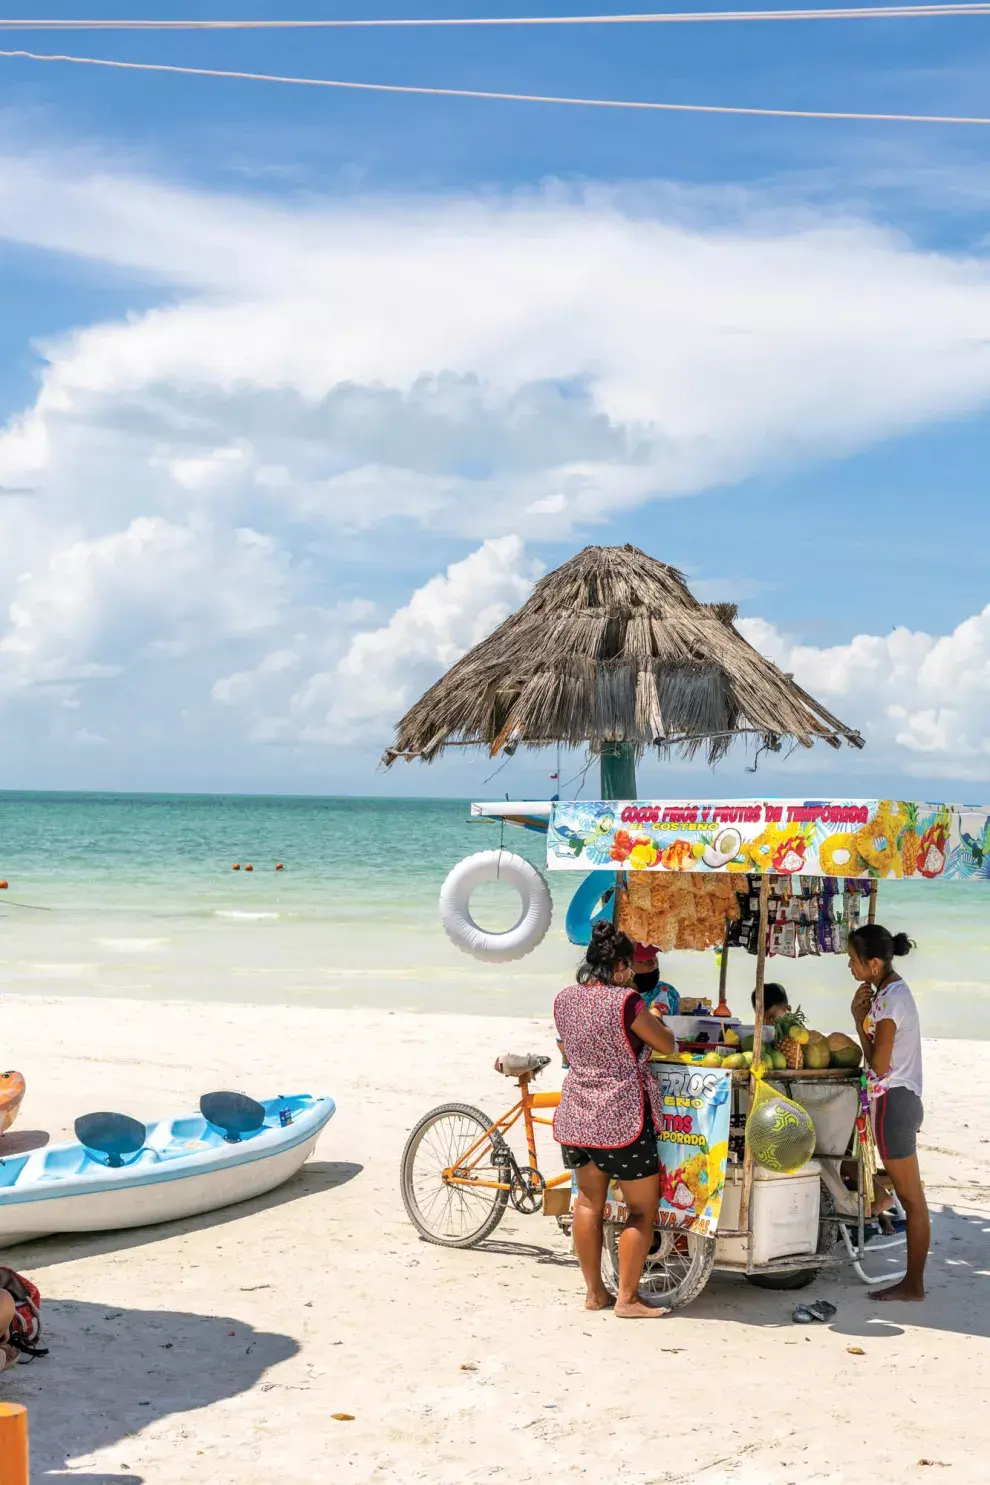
x: 844, y: 1052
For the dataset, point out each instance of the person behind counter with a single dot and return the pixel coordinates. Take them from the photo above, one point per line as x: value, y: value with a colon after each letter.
x: 889, y: 1030
x: 659, y: 998
x: 609, y: 1113
x: 775, y: 1003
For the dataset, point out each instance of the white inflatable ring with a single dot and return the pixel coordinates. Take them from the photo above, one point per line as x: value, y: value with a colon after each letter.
x: 495, y: 866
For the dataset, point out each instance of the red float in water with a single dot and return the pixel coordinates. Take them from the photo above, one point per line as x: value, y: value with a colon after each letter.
x: 236, y: 866
x: 249, y: 867
x: 3, y: 886
x: 279, y: 866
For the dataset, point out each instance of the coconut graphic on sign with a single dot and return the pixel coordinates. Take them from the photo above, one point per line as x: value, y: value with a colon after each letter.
x: 722, y: 849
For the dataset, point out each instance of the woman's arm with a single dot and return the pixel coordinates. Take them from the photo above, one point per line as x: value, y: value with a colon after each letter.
x: 878, y: 1048
x: 654, y: 1033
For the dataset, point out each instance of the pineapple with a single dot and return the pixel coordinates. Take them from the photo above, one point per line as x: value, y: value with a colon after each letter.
x: 910, y: 842
x: 792, y: 1036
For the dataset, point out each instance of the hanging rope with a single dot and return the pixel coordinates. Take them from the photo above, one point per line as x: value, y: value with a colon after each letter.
x: 623, y: 103
x: 845, y: 13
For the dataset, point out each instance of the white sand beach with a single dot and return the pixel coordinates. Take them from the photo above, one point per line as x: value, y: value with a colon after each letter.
x: 217, y: 1350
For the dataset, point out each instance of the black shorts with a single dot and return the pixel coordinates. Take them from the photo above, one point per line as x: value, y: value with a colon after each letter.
x: 633, y: 1162
x: 897, y: 1116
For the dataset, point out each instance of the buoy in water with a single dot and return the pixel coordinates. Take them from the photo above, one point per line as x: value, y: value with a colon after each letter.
x: 249, y: 867
x: 236, y: 866
x: 3, y: 885
x: 279, y: 866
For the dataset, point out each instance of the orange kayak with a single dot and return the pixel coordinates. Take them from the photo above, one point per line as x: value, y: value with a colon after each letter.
x: 11, y: 1096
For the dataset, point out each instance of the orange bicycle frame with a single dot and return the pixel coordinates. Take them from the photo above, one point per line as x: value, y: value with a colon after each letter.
x: 463, y: 1173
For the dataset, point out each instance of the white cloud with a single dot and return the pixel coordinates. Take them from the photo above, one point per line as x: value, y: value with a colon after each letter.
x: 481, y: 366
x: 922, y: 701
x: 382, y: 670
x: 321, y: 377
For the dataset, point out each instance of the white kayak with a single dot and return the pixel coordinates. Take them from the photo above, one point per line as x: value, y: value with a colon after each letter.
x: 120, y: 1174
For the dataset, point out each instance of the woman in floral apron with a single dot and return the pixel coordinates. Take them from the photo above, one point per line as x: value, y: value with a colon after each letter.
x: 609, y: 1113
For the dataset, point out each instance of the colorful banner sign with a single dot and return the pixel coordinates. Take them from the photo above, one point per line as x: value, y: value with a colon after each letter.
x: 694, y: 1147
x: 787, y: 837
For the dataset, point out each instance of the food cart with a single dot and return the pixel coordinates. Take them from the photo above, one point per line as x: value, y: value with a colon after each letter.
x: 791, y: 865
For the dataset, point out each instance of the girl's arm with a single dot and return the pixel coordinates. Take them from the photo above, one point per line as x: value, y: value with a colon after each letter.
x: 654, y: 1033
x: 878, y: 1048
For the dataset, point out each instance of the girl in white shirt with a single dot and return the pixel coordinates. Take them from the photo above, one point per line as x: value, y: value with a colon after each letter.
x: 887, y: 1022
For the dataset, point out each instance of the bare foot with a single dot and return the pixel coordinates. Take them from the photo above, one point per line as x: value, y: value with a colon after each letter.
x: 601, y: 1301
x: 638, y: 1309
x: 902, y: 1291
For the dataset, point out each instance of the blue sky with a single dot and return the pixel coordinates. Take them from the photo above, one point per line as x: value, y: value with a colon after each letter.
x: 309, y: 386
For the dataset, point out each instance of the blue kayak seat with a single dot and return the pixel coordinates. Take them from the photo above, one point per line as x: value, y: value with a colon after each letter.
x: 234, y: 1114
x: 110, y: 1136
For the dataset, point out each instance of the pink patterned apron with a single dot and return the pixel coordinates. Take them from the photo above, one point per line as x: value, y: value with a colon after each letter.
x: 601, y: 1104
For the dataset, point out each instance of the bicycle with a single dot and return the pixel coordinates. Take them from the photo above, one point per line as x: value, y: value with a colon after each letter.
x: 458, y: 1176
x: 458, y: 1172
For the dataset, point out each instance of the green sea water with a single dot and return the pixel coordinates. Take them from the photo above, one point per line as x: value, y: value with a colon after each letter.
x: 134, y: 895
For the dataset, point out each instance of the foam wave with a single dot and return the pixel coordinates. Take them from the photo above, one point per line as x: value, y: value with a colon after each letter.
x: 131, y: 945
x: 237, y: 913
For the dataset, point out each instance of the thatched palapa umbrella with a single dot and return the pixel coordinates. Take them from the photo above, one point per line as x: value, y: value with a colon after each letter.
x: 613, y: 652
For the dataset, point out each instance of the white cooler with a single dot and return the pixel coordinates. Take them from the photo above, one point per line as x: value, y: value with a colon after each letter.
x: 784, y: 1212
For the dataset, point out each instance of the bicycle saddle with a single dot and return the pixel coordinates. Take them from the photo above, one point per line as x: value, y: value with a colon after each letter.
x: 518, y: 1064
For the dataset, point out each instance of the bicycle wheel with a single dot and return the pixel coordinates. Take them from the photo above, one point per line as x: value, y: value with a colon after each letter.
x: 677, y: 1268
x: 451, y: 1215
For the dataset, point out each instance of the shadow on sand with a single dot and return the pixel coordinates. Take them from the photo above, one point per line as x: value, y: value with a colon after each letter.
x: 112, y: 1372
x: 316, y: 1177
x: 958, y: 1280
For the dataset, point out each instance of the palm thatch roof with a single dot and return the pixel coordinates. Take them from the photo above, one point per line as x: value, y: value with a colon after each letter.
x: 613, y: 647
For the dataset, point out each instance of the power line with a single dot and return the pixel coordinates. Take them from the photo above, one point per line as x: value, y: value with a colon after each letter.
x: 851, y: 13
x: 369, y: 87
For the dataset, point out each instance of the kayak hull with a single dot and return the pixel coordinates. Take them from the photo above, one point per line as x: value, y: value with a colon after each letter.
x: 164, y: 1188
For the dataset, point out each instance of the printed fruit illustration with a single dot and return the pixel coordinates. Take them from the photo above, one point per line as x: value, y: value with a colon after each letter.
x: 931, y: 847
x: 644, y: 854
x: 790, y: 854
x: 909, y: 842
x: 792, y: 1036
x: 622, y: 844
x: 877, y: 841
x: 839, y: 856
x: 844, y: 1051
x: 722, y: 849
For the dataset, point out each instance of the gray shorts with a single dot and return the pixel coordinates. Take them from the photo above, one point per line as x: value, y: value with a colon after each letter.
x: 898, y: 1114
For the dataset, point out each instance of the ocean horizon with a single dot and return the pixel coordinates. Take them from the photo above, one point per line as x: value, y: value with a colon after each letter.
x: 134, y: 895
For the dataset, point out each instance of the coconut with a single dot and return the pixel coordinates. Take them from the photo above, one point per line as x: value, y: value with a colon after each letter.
x: 817, y: 1054
x: 724, y: 848
x: 844, y: 1051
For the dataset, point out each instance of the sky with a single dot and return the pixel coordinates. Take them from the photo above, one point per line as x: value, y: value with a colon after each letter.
x: 301, y: 390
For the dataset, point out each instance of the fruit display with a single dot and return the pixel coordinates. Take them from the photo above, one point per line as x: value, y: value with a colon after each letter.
x: 792, y: 1036
x: 843, y: 1051
x: 677, y: 911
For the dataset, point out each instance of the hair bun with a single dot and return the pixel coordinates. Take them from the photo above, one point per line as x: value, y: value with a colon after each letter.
x: 903, y: 945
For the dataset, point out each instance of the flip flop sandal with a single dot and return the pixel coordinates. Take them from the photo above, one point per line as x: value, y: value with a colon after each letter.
x: 822, y: 1310
x: 803, y: 1316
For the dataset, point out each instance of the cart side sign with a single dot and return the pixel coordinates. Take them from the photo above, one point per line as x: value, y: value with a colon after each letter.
x: 789, y: 837
x: 693, y: 1144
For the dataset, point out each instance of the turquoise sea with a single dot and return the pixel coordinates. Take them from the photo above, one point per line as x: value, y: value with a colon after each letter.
x: 133, y: 895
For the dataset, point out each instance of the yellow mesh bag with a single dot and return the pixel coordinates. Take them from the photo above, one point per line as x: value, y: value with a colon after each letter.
x: 779, y: 1132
